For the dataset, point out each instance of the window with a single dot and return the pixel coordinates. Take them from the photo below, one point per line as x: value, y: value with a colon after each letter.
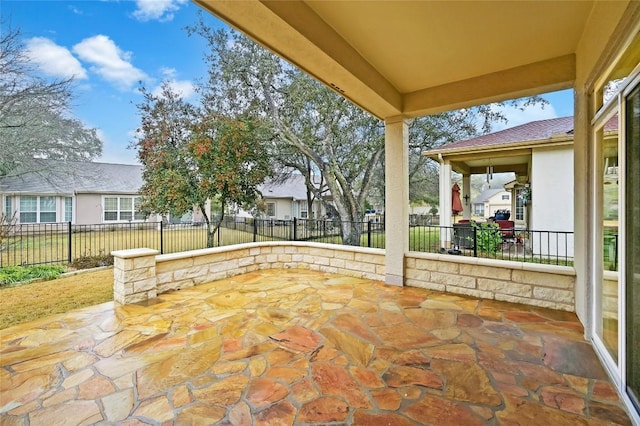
x: 137, y: 214
x: 28, y: 209
x: 505, y: 197
x: 122, y: 209
x: 110, y: 208
x: 34, y: 209
x: 68, y: 209
x: 271, y: 209
x: 519, y: 206
x: 126, y: 208
x: 478, y: 209
x: 47, y: 209
x: 8, y: 207
x: 304, y: 210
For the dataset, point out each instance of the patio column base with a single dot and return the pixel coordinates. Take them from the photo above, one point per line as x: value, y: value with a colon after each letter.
x: 397, y: 280
x: 134, y: 275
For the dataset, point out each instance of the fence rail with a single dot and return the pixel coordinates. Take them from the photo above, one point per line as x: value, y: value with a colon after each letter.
x: 31, y: 244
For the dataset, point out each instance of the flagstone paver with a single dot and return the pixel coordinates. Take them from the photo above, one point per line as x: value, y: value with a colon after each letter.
x: 302, y: 347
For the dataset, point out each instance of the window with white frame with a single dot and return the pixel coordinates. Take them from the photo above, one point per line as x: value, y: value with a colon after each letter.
x: 28, y: 209
x: 8, y: 208
x: 304, y: 210
x: 121, y: 209
x: 519, y: 206
x: 68, y: 209
x: 47, y: 212
x: 36, y: 209
x: 505, y: 197
x: 271, y: 209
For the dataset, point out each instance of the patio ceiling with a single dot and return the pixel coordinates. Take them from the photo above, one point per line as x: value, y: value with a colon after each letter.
x: 415, y: 58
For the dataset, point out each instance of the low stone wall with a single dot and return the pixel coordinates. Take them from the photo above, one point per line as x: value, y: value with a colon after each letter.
x: 142, y: 274
x: 518, y: 282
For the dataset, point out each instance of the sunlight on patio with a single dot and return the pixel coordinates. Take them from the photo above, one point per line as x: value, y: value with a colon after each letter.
x: 299, y: 346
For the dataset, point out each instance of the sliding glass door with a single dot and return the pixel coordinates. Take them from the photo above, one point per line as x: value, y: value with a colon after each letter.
x: 632, y: 243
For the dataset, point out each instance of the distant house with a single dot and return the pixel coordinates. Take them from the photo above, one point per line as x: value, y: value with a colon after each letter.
x: 287, y: 200
x: 540, y: 153
x: 77, y: 192
x: 490, y: 200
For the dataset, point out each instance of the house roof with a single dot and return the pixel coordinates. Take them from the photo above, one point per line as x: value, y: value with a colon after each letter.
x: 76, y: 177
x: 486, y: 195
x: 293, y: 188
x: 533, y: 133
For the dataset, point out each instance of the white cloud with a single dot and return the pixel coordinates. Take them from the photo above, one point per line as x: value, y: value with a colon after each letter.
x: 54, y: 60
x: 109, y: 61
x: 516, y: 116
x: 184, y: 88
x: 161, y: 10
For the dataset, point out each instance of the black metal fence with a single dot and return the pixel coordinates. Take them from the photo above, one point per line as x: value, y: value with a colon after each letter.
x: 520, y: 245
x: 31, y: 244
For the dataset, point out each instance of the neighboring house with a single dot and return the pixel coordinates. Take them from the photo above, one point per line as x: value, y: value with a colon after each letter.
x: 540, y: 153
x: 287, y: 200
x: 490, y: 200
x: 77, y: 192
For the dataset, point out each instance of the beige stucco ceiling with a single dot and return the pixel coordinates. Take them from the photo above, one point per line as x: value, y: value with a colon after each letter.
x: 416, y: 57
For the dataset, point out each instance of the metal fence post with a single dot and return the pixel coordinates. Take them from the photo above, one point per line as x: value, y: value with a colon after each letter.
x: 161, y: 237
x: 255, y: 229
x: 369, y: 234
x: 69, y: 243
x: 475, y: 241
x: 295, y: 229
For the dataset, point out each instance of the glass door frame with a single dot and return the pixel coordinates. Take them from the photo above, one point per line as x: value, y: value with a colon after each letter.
x: 616, y: 105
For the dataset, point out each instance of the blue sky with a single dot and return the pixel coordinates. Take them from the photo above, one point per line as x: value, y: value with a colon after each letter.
x: 109, y: 46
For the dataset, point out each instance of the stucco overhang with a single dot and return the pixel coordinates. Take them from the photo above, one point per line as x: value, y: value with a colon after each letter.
x: 412, y: 58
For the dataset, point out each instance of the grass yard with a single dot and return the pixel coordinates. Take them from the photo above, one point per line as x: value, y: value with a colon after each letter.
x: 31, y: 301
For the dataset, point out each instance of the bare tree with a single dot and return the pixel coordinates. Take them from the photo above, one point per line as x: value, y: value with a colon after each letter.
x: 35, y: 120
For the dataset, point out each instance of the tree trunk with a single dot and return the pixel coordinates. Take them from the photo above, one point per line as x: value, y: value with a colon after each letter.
x: 351, y: 232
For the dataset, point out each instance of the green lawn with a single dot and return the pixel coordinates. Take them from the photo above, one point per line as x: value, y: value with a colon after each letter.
x: 54, y: 247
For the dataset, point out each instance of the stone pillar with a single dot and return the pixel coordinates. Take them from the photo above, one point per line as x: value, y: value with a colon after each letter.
x: 396, y: 209
x: 445, y: 203
x: 466, y: 195
x: 134, y: 275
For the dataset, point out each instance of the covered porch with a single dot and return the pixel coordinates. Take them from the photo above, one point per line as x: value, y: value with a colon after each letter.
x: 399, y: 60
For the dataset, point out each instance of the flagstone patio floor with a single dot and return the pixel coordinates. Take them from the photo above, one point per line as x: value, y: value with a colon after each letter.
x: 302, y: 347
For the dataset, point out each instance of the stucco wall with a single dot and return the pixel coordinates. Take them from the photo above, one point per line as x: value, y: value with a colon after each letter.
x: 88, y: 209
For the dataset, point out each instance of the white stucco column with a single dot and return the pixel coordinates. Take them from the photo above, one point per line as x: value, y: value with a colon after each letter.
x: 396, y: 205
x: 466, y: 195
x: 445, y: 203
x: 584, y: 217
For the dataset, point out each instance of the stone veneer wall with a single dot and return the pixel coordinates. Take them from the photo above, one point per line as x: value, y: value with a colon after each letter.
x: 142, y: 274
x: 518, y: 282
x: 136, y: 279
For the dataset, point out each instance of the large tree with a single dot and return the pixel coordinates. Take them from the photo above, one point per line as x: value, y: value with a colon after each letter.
x: 35, y: 120
x: 194, y: 156
x: 316, y: 131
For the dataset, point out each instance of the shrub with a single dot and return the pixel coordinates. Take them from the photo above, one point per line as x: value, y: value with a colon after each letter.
x: 15, y: 274
x: 88, y: 261
x: 488, y: 237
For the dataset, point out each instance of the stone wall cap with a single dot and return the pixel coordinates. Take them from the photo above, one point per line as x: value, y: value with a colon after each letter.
x: 245, y: 246
x: 132, y: 253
